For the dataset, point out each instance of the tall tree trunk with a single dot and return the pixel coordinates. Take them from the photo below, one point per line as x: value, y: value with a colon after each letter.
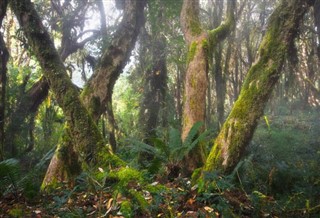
x: 97, y: 94
x: 200, y: 44
x: 316, y: 13
x: 239, y: 127
x: 30, y: 100
x: 217, y: 66
x: 220, y: 84
x: 4, y: 56
x: 80, y: 127
x: 155, y: 87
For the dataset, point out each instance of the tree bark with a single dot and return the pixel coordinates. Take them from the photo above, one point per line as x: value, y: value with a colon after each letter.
x: 4, y: 56
x: 97, y: 94
x: 201, y: 44
x: 86, y: 138
x: 31, y: 99
x: 316, y: 13
x: 239, y: 127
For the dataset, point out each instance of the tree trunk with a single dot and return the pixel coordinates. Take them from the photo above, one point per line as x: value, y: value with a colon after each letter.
x: 237, y: 131
x: 4, y: 56
x: 217, y: 66
x: 155, y: 87
x: 80, y: 128
x: 316, y: 13
x: 97, y: 94
x: 30, y: 101
x: 200, y: 44
x: 86, y: 138
x: 220, y: 85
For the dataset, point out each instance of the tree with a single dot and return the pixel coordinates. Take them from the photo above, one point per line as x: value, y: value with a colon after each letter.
x: 317, y: 23
x: 29, y: 100
x: 4, y: 56
x: 201, y: 44
x: 82, y: 142
x: 239, y: 127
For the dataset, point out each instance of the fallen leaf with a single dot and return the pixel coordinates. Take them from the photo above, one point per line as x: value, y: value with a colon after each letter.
x: 209, y: 209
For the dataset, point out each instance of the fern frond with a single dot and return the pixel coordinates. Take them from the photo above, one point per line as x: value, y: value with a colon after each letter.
x: 9, y: 174
x: 174, y: 139
x: 192, y: 133
x: 138, y: 147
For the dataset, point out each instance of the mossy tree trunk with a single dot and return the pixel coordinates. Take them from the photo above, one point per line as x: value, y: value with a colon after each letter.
x: 83, y: 130
x: 32, y: 98
x: 4, y: 56
x: 201, y: 44
x: 219, y: 76
x: 239, y: 127
x: 86, y: 138
x: 316, y: 13
x: 96, y: 95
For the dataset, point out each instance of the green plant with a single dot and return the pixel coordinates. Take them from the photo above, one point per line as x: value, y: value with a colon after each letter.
x: 9, y: 174
x: 171, y: 151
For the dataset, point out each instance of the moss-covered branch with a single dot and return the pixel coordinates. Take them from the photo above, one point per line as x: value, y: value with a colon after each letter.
x: 220, y: 33
x: 238, y: 130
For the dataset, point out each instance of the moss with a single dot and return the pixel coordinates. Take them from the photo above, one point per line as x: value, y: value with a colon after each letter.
x: 206, y: 47
x: 142, y: 202
x: 50, y: 187
x: 126, y: 209
x: 195, y: 28
x: 196, y: 175
x: 128, y: 174
x: 124, y: 176
x: 156, y: 189
x: 192, y: 51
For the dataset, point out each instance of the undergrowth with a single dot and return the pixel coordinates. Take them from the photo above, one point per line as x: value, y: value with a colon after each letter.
x: 278, y: 177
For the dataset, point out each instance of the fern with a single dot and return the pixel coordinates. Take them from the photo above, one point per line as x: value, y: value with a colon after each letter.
x: 193, y: 138
x: 9, y: 174
x: 172, y: 151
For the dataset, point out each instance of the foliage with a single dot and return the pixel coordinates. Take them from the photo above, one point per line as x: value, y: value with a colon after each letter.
x: 169, y: 152
x: 281, y: 160
x: 9, y: 174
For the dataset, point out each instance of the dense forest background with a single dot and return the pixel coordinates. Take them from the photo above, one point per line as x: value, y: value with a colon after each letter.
x: 159, y: 108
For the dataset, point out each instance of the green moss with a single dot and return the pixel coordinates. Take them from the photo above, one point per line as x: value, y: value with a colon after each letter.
x: 206, y: 48
x: 156, y: 189
x: 142, y: 202
x: 124, y: 176
x: 192, y: 51
x: 126, y: 209
x: 195, y: 27
x: 196, y: 175
x: 16, y: 212
x: 128, y: 174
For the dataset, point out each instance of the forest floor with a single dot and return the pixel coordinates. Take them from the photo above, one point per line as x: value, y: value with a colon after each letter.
x: 279, y: 177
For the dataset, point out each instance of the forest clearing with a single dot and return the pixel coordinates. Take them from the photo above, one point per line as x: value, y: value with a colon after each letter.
x: 159, y: 108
